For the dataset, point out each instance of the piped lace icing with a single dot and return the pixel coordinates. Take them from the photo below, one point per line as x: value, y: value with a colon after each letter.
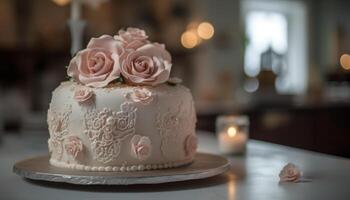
x: 106, y: 130
x: 167, y: 124
x: 173, y: 122
x: 58, y: 127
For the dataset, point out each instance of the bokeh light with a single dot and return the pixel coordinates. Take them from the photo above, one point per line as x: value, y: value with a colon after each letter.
x: 205, y: 30
x: 189, y: 39
x: 232, y: 131
x: 345, y: 61
x: 251, y: 85
x: 61, y: 2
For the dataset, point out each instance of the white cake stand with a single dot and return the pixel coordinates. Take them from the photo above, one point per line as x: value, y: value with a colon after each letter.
x: 204, y: 166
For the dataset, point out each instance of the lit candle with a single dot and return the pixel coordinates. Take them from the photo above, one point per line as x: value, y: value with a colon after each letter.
x: 75, y: 10
x: 232, y: 141
x: 232, y: 133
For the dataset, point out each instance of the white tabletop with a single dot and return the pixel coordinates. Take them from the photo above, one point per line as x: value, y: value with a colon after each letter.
x: 254, y: 176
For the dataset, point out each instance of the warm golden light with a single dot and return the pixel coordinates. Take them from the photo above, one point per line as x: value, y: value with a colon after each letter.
x: 232, y: 131
x: 231, y: 187
x: 192, y: 26
x: 345, y: 61
x: 205, y: 30
x: 61, y: 2
x: 189, y: 39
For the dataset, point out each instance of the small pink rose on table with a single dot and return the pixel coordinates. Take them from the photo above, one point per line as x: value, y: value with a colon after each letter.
x: 83, y: 94
x: 98, y: 64
x: 191, y: 143
x: 140, y: 95
x: 73, y: 146
x: 141, y: 147
x: 148, y: 65
x: 290, y: 173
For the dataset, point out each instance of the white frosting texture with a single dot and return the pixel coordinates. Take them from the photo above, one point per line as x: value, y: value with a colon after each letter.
x: 121, y: 127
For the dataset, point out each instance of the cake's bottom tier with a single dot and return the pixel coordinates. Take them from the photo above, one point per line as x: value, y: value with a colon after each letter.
x: 112, y: 132
x: 125, y: 168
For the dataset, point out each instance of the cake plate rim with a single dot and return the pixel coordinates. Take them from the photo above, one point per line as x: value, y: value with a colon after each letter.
x: 205, y: 165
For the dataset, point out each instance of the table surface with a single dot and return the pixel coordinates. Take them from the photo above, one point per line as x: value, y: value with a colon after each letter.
x: 253, y: 176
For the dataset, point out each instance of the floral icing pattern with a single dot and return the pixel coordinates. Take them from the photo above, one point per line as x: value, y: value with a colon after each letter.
x: 141, y: 147
x: 107, y: 129
x: 173, y: 122
x: 140, y: 95
x: 58, y: 128
x: 73, y: 146
x: 190, y: 144
x: 83, y: 95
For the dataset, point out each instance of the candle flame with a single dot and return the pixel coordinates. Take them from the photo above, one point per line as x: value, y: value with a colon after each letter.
x: 232, y: 131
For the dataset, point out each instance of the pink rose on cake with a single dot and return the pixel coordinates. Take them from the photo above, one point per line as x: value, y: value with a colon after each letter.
x: 73, y: 146
x: 132, y: 38
x: 190, y: 144
x: 128, y: 57
x: 98, y: 64
x: 140, y: 95
x: 141, y: 147
x: 82, y: 95
x: 147, y: 65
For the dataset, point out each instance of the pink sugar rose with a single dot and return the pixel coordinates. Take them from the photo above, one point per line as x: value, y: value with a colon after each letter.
x: 140, y: 95
x: 290, y: 173
x: 73, y: 146
x: 82, y: 94
x: 98, y: 64
x: 147, y: 65
x: 190, y: 144
x: 132, y: 38
x: 141, y: 147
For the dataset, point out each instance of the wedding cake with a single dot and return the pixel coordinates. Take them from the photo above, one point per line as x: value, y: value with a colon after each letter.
x: 120, y: 111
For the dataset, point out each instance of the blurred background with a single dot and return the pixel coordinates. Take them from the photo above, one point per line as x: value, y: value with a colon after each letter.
x: 276, y: 61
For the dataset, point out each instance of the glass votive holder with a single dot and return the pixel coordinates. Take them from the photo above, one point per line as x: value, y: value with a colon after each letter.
x: 232, y: 133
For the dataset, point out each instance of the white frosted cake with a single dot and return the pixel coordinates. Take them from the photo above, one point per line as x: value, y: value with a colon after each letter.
x: 120, y: 111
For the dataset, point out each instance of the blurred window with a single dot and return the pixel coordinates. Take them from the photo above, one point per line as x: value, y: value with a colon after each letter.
x: 263, y: 30
x: 279, y: 26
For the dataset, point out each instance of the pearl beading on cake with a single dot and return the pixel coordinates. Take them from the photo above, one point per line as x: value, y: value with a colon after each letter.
x: 130, y: 168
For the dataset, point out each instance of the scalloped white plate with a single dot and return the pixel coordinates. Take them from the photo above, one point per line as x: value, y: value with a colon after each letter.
x: 204, y: 166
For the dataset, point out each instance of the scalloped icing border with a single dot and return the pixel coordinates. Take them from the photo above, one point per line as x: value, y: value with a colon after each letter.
x: 130, y: 168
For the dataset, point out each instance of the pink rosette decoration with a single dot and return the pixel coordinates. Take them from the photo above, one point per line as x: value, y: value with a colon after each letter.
x: 73, y: 146
x: 82, y: 95
x: 140, y: 95
x: 147, y: 65
x: 190, y: 144
x: 141, y: 147
x: 98, y: 64
x: 290, y: 173
x: 132, y: 38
